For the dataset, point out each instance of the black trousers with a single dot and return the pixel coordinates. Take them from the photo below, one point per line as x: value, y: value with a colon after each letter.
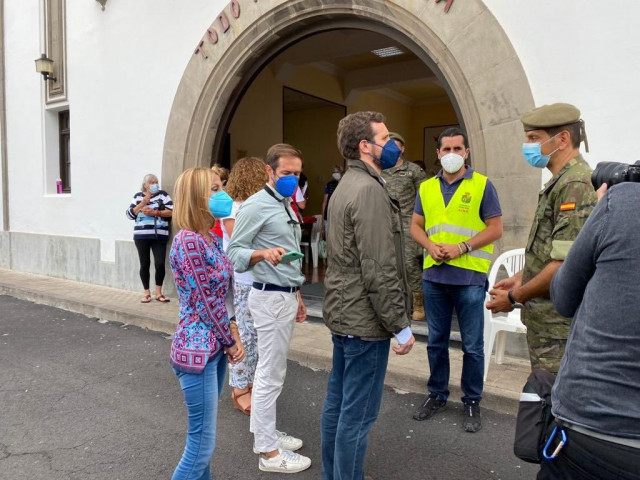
x: 588, y: 458
x: 159, y: 248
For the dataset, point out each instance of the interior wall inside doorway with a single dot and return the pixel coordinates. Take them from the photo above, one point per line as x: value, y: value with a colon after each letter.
x: 313, y: 131
x: 259, y: 120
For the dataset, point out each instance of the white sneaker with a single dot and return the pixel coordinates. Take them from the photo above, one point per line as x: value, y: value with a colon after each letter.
x: 285, y: 442
x: 285, y: 462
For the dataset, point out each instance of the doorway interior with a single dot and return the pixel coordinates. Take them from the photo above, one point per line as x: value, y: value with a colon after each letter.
x: 299, y: 96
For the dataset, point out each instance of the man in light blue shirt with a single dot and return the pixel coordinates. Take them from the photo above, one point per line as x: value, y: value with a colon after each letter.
x: 266, y: 228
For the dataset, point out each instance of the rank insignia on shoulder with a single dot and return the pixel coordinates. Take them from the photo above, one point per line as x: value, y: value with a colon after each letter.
x: 567, y: 206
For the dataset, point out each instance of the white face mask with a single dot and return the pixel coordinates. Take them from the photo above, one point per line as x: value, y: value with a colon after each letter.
x: 452, y: 162
x: 336, y: 176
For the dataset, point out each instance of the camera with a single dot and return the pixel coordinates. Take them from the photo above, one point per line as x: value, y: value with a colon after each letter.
x: 612, y: 173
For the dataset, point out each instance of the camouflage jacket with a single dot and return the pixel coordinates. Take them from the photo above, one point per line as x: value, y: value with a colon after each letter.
x: 564, y: 204
x: 403, y: 183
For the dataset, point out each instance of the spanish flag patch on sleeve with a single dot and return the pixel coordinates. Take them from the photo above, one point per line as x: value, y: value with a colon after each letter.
x: 567, y: 206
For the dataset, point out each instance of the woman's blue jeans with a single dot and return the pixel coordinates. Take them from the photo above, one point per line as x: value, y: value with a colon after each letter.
x: 201, y: 393
x: 352, y: 404
x: 439, y: 301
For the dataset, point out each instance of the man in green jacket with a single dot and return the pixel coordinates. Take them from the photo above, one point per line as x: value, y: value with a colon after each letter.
x: 367, y: 297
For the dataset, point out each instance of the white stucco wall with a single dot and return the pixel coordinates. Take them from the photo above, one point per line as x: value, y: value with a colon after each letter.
x: 584, y: 53
x: 122, y: 63
x: 23, y: 107
x: 125, y: 64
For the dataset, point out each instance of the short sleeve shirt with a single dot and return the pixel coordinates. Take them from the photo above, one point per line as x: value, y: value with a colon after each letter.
x: 489, y: 208
x: 328, y: 190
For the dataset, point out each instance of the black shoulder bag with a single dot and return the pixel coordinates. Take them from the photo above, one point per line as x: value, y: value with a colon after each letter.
x: 535, y: 420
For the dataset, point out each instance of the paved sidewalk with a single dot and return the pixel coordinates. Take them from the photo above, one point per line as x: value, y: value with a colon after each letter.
x: 311, y: 344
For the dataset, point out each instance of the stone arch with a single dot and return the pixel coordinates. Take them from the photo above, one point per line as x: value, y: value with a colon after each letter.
x: 466, y: 47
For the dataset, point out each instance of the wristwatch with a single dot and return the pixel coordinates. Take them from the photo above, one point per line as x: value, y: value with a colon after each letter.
x: 513, y: 301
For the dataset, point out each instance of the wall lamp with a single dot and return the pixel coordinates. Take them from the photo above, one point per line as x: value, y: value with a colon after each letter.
x: 44, y: 66
x: 102, y: 2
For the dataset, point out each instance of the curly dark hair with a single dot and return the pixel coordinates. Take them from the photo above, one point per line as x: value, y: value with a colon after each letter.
x: 354, y: 128
x: 247, y: 177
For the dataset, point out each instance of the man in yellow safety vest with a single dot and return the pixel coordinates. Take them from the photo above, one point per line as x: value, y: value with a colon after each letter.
x: 456, y: 219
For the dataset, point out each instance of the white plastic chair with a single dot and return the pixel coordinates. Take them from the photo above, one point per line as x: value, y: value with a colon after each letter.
x: 315, y: 238
x: 496, y: 325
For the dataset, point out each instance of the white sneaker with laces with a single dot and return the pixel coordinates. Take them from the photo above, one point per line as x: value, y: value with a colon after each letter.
x: 285, y: 462
x: 285, y: 442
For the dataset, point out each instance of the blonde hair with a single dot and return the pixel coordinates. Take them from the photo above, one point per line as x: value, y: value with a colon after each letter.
x: 191, y: 200
x: 247, y: 177
x: 222, y: 172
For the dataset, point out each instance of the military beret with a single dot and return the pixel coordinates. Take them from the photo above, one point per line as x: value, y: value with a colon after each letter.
x: 549, y: 116
x: 397, y: 136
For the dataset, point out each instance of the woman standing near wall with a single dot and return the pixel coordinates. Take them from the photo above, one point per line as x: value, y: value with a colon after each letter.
x: 248, y: 176
x: 151, y: 209
x: 203, y: 276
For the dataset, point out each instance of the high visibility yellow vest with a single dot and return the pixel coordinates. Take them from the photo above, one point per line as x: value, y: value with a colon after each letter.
x: 457, y: 222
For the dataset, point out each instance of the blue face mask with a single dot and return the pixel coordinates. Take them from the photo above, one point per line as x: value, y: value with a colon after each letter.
x: 390, y: 154
x: 154, y: 188
x: 286, y: 185
x: 532, y: 153
x: 220, y: 204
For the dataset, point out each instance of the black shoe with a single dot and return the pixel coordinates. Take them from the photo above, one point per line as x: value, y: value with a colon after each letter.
x: 472, y: 419
x: 429, y: 408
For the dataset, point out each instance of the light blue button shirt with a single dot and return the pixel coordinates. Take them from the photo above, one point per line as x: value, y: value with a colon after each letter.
x: 263, y: 222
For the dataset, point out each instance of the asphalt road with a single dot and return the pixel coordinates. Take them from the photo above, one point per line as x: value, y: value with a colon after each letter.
x: 81, y: 400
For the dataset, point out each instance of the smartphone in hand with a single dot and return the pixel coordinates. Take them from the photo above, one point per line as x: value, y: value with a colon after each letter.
x: 291, y: 256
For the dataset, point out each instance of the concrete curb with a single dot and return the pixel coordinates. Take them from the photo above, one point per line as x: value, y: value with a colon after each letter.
x: 91, y: 310
x: 310, y: 346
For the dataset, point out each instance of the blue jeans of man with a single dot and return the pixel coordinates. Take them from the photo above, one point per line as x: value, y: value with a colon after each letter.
x: 201, y: 393
x: 468, y: 300
x: 352, y: 404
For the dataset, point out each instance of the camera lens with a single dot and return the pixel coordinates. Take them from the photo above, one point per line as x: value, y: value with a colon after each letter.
x: 609, y: 173
x: 633, y: 173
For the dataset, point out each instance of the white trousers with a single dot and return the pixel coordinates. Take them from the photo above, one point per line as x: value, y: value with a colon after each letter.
x: 274, y: 314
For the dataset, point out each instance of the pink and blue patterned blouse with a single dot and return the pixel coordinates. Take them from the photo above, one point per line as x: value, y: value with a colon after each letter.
x: 203, y: 274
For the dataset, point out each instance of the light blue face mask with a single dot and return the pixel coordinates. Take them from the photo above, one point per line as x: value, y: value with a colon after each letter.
x: 154, y: 188
x: 220, y: 204
x: 532, y: 153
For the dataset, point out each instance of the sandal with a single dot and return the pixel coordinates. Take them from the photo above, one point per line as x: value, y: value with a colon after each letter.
x: 145, y: 299
x: 246, y: 409
x: 163, y: 299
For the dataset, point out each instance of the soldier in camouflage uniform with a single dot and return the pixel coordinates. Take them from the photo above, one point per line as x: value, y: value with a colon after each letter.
x: 563, y: 207
x: 403, y: 183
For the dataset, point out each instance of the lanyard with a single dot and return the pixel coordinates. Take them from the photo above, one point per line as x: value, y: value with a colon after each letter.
x: 291, y: 220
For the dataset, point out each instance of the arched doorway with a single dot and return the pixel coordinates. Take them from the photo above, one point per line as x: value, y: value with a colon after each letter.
x: 466, y: 48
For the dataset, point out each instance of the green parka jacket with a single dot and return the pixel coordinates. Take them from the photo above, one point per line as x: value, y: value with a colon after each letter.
x: 366, y: 289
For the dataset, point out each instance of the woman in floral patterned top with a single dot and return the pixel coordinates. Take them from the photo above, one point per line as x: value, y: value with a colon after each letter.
x: 203, y: 276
